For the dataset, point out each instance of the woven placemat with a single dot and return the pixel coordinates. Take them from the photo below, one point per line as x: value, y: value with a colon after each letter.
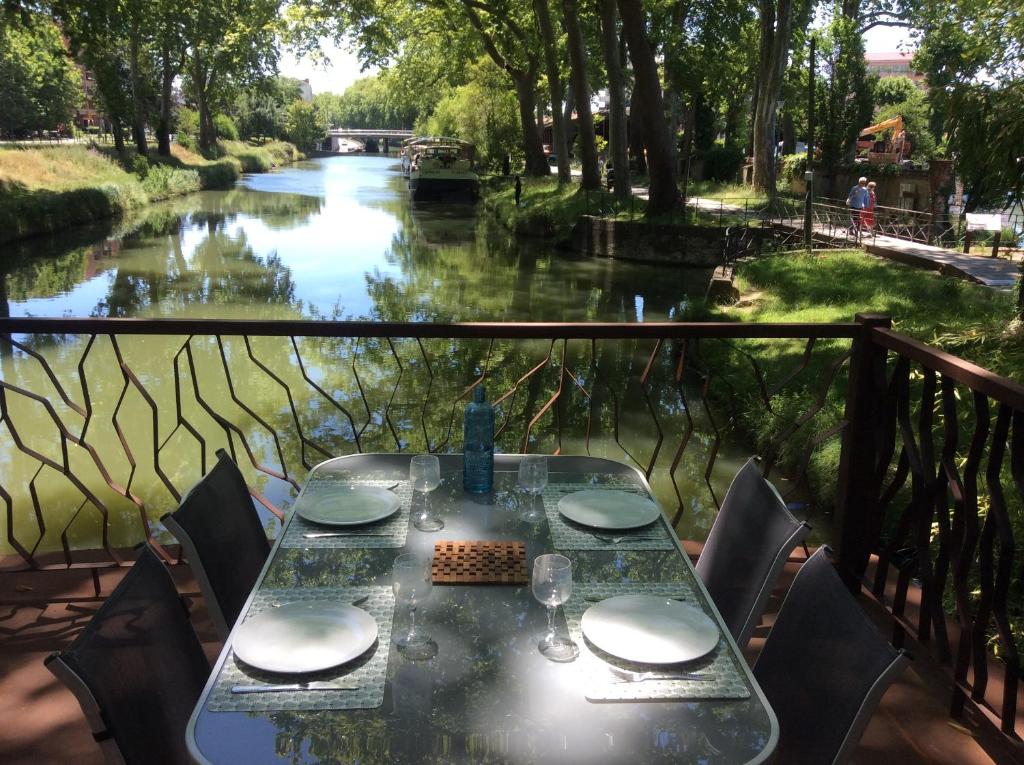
x: 369, y: 671
x: 478, y: 562
x: 566, y: 535
x: 729, y: 680
x: 390, y: 532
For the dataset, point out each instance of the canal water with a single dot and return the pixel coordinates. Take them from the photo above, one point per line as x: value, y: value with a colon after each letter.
x: 328, y: 238
x: 334, y: 238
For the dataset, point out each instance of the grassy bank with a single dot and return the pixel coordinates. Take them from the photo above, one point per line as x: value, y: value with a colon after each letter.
x: 260, y: 158
x: 966, y: 319
x: 548, y: 210
x: 47, y: 189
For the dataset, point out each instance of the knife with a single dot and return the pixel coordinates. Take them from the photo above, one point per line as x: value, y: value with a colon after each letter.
x: 316, y: 685
x: 323, y: 534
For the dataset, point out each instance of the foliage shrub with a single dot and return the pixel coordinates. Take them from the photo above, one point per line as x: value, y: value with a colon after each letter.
x: 188, y: 141
x: 722, y: 163
x: 793, y: 166
x: 164, y: 182
x: 140, y: 166
x: 225, y: 127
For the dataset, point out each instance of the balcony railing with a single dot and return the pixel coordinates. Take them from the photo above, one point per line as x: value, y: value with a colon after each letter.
x: 105, y: 423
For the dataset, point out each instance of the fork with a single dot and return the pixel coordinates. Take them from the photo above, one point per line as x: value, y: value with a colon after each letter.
x: 616, y: 540
x: 356, y: 602
x: 628, y: 676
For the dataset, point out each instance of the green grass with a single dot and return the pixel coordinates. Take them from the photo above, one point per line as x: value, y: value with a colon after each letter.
x: 545, y: 209
x: 43, y: 190
x: 260, y: 158
x: 966, y: 319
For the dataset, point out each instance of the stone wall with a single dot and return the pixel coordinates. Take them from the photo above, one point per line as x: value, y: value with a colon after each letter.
x: 626, y: 240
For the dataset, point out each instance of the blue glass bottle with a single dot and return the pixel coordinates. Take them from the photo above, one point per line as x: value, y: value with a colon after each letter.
x: 478, y: 445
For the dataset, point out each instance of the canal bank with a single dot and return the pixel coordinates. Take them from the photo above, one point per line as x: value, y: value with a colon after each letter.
x: 46, y: 190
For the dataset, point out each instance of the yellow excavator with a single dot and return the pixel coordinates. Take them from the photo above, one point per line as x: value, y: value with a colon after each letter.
x: 895, y: 150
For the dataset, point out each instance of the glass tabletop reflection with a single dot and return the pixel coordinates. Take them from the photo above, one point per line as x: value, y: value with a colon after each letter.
x: 486, y: 694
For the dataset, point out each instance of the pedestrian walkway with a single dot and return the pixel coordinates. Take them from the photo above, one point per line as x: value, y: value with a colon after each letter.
x: 998, y: 273
x: 992, y: 272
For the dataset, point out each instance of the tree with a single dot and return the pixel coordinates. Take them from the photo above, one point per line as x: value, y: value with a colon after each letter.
x: 482, y: 111
x: 664, y: 193
x: 581, y: 89
x: 775, y: 18
x: 41, y: 87
x: 216, y: 59
x: 511, y: 46
x: 305, y: 125
x: 914, y: 110
x: 970, y: 54
x: 618, y: 148
x: 559, y: 145
x: 895, y: 90
x: 844, y: 93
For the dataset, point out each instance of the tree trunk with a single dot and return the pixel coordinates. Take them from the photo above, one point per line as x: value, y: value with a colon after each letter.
x: 637, y: 145
x: 776, y: 32
x: 536, y: 163
x: 207, y: 135
x: 163, y: 128
x: 138, y: 107
x: 617, y: 147
x: 568, y: 108
x: 581, y: 87
x: 664, y: 193
x: 558, y: 144
x: 118, y: 134
x: 788, y: 134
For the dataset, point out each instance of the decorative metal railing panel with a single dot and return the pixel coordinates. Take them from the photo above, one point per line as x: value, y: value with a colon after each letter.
x: 105, y: 424
x: 951, y: 446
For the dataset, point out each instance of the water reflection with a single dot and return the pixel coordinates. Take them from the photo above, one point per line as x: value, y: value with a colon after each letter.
x: 328, y: 238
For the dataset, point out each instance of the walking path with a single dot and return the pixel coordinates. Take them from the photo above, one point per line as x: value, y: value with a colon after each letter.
x: 992, y: 272
x: 997, y: 273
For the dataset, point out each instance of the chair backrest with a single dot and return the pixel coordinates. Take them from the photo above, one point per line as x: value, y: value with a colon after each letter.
x: 824, y: 667
x: 137, y: 668
x: 226, y: 546
x: 749, y: 544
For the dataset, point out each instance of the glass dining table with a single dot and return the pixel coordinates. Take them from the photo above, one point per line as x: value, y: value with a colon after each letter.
x: 484, y: 693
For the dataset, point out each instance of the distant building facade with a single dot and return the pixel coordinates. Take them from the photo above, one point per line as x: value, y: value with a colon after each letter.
x: 893, y: 64
x: 88, y: 114
x: 306, y: 91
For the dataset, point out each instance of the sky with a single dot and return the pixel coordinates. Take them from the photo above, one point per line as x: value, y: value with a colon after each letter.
x: 342, y: 71
x: 344, y: 67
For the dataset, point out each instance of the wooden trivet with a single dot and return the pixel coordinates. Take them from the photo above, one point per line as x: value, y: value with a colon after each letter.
x: 464, y: 562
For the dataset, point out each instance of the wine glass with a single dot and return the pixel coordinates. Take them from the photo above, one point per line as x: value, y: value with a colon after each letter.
x: 425, y: 476
x: 552, y: 586
x: 533, y: 478
x: 411, y: 582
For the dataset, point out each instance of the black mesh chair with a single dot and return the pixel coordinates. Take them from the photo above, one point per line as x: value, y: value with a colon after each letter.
x: 746, y: 550
x: 824, y: 667
x: 137, y: 669
x: 225, y: 545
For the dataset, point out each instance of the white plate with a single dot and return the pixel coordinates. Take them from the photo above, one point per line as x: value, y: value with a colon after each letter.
x: 347, y: 505
x: 650, y: 629
x: 608, y: 509
x: 304, y: 637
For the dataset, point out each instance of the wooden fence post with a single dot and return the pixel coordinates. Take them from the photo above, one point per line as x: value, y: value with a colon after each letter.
x: 859, y: 486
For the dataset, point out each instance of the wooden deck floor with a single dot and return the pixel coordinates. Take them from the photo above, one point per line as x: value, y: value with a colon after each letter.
x: 42, y: 722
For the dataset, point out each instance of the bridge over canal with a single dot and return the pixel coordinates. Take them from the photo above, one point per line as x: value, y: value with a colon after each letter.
x: 373, y: 139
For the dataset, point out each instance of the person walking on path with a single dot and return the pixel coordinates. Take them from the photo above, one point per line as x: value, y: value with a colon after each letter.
x: 867, y: 215
x: 519, y: 190
x: 857, y: 200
